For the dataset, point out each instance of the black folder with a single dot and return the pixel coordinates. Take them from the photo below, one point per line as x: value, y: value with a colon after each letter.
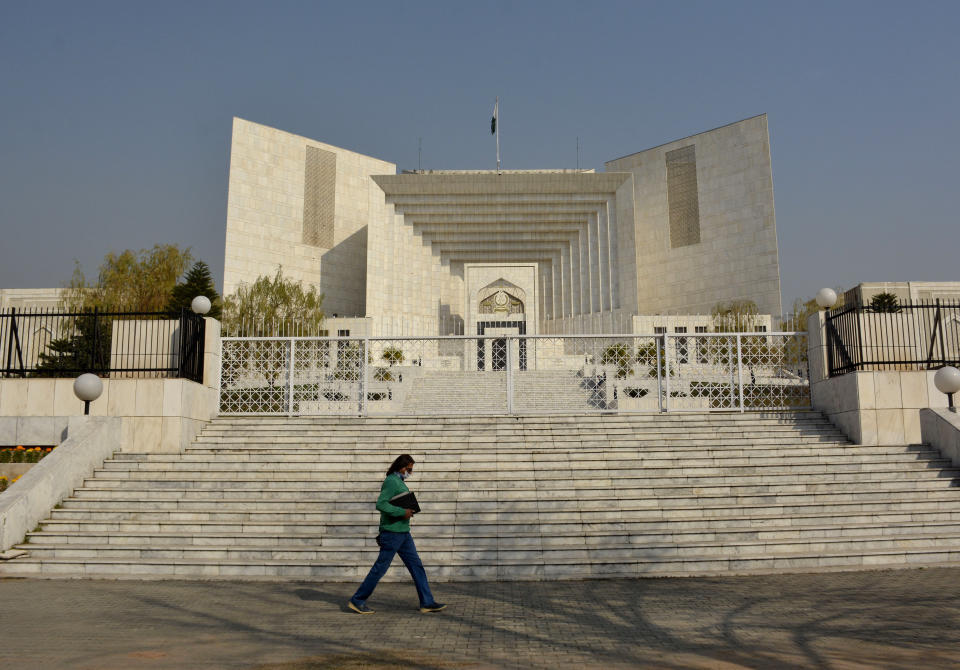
x: 406, y: 500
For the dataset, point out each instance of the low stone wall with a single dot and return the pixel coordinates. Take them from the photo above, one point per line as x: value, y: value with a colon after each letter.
x: 878, y: 407
x: 158, y: 415
x: 86, y: 443
x: 941, y: 429
x: 870, y: 407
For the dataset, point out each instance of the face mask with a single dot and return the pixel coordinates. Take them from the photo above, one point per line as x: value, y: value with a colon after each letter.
x: 404, y: 475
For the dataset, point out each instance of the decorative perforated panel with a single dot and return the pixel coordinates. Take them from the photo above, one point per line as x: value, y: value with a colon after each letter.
x: 319, y: 197
x: 514, y: 374
x: 682, y: 197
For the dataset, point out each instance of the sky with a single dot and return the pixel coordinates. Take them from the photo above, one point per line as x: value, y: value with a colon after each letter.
x: 115, y: 117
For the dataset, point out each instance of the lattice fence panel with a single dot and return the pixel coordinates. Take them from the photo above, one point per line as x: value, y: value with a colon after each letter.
x: 409, y: 376
x: 775, y: 371
x: 701, y: 373
x: 254, y: 376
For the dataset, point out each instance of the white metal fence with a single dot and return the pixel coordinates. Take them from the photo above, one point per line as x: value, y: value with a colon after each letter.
x: 514, y: 374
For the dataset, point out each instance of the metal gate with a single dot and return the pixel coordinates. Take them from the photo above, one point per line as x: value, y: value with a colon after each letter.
x: 513, y: 374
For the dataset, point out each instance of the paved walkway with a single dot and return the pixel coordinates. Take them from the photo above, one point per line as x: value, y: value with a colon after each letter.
x: 895, y: 619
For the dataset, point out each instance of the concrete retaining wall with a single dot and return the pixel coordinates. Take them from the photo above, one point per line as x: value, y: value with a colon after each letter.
x: 87, y: 442
x: 870, y: 407
x: 158, y: 415
x: 941, y: 429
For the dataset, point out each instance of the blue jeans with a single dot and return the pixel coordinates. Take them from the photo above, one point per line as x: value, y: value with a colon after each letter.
x: 392, y: 544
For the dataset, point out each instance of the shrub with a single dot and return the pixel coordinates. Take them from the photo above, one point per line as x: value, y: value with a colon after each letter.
x: 21, y: 454
x: 885, y: 303
x: 618, y: 355
x: 393, y: 355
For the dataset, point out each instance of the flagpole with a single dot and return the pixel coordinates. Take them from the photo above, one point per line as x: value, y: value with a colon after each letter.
x: 498, y: 133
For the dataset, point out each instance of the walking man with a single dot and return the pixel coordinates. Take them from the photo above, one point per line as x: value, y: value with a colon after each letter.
x: 395, y: 538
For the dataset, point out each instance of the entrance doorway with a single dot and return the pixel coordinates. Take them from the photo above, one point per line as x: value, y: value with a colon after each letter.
x: 499, y: 351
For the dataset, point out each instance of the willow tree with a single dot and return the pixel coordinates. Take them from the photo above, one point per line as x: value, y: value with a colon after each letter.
x: 131, y: 281
x: 273, y: 307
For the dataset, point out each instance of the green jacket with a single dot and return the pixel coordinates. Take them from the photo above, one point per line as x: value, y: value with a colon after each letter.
x: 391, y: 516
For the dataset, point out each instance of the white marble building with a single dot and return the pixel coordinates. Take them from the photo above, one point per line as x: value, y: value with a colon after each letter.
x: 670, y: 230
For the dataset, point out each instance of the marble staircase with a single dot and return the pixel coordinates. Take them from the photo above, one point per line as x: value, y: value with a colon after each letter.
x: 511, y: 498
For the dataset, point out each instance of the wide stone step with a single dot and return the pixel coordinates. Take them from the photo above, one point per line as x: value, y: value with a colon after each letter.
x: 359, y: 499
x: 432, y: 554
x: 652, y: 536
x: 426, y: 426
x: 504, y: 569
x: 643, y: 510
x: 375, y: 462
x: 291, y: 570
x: 447, y: 439
x: 509, y: 532
x: 789, y: 417
x: 347, y: 490
x: 550, y: 468
x: 513, y: 479
x: 462, y: 510
x: 519, y: 432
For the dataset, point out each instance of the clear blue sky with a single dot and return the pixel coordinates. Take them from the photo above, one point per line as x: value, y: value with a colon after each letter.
x: 115, y: 116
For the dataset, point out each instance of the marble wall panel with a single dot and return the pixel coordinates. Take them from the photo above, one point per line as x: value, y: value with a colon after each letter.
x: 737, y: 255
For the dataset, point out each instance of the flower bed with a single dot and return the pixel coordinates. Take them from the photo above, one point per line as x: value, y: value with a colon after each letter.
x: 22, y: 454
x: 6, y: 483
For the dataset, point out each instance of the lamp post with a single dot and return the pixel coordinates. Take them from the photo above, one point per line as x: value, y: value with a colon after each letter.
x: 826, y: 298
x: 88, y: 388
x: 200, y: 305
x: 947, y: 380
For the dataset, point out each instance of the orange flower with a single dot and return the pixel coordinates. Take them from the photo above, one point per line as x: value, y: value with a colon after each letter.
x: 49, y: 449
x: 20, y: 447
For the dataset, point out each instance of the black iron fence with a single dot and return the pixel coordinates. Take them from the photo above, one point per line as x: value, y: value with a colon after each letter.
x: 920, y: 335
x: 45, y: 343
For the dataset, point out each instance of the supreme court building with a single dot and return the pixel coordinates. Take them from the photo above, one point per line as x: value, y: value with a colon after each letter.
x: 670, y: 230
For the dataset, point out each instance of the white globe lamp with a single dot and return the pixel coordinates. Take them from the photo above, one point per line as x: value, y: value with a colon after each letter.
x: 947, y: 380
x: 826, y: 298
x: 200, y: 304
x: 88, y: 388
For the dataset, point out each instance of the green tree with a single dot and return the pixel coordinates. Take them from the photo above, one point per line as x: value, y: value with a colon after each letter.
x: 620, y: 356
x: 129, y: 281
x: 197, y: 282
x: 885, y: 302
x: 799, y: 313
x: 803, y: 309
x: 651, y: 354
x: 86, y: 349
x: 393, y: 355
x: 273, y: 307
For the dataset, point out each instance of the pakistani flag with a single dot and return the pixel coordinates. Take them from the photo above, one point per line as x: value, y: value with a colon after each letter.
x: 493, y: 121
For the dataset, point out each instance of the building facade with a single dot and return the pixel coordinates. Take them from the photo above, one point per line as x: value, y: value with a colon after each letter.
x: 671, y: 230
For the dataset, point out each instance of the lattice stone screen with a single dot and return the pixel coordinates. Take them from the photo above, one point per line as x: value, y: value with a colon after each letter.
x: 412, y: 376
x: 682, y: 197
x: 319, y: 197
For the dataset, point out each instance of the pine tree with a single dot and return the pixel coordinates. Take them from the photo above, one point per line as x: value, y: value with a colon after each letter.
x: 197, y: 282
x: 86, y: 349
x: 885, y: 302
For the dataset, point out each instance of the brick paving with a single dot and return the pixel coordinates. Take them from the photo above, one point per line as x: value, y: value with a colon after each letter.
x: 889, y: 619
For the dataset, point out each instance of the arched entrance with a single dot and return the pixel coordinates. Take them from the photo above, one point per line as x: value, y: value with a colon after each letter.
x: 501, y: 311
